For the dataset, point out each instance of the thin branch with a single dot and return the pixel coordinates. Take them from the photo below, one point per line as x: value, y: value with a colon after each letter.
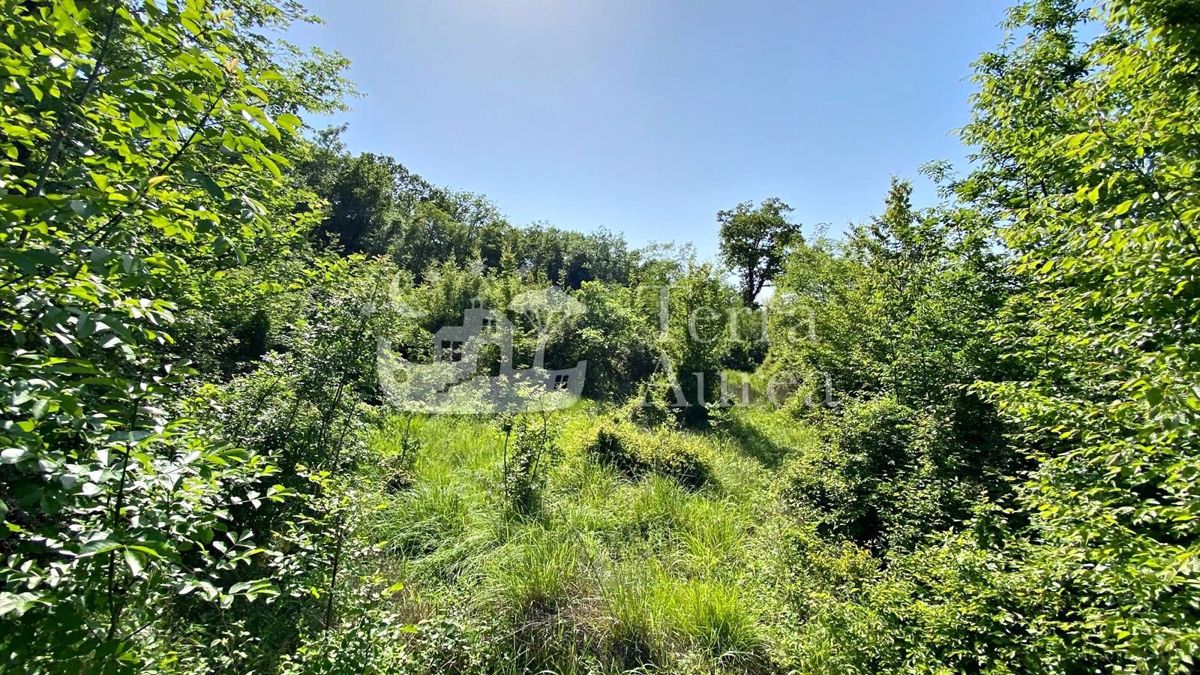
x: 93, y: 77
x: 114, y: 608
x: 99, y: 235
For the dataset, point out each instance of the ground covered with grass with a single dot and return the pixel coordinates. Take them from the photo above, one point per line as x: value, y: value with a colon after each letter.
x: 643, y: 548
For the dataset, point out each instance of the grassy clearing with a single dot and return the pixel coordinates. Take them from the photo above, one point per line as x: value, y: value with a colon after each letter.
x: 616, y: 569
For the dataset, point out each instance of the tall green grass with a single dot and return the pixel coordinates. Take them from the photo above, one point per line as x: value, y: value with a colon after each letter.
x: 615, y: 571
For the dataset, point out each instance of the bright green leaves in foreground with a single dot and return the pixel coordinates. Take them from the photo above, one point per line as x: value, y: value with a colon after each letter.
x: 139, y: 143
x: 1089, y: 150
x: 1087, y: 155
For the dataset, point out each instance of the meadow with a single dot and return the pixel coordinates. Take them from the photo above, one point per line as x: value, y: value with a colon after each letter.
x: 609, y: 571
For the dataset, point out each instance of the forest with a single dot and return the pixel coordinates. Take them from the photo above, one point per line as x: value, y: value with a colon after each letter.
x: 961, y: 436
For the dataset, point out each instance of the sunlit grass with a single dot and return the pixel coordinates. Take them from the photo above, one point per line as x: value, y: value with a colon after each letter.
x: 624, y: 570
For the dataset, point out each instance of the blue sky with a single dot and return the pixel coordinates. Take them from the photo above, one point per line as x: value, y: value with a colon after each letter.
x: 649, y: 116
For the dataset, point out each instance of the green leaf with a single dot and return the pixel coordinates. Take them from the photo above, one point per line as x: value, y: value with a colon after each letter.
x: 134, y: 560
x: 207, y: 183
x: 145, y: 549
x: 1154, y: 396
x: 98, y: 546
x: 288, y: 121
x: 31, y: 260
x: 17, y: 604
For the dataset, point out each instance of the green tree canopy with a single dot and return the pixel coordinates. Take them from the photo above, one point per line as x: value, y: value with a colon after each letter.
x: 754, y: 242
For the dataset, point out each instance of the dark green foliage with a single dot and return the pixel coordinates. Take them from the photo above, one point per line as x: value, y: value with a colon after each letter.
x: 125, y: 498
x: 616, y: 336
x: 379, y: 207
x: 754, y: 243
x: 695, y: 341
x: 894, y: 319
x: 748, y: 342
x: 368, y: 641
x: 1107, y: 254
x: 900, y: 306
x: 398, y: 466
x: 174, y: 355
x: 1085, y: 135
x: 886, y: 477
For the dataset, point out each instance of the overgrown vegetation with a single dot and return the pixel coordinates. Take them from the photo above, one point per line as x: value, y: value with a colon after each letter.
x: 967, y: 439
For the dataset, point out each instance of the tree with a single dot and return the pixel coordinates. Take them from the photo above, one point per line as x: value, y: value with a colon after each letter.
x: 141, y: 145
x: 693, y: 342
x: 754, y: 243
x: 1086, y: 158
x: 1089, y: 152
x: 901, y: 237
x: 550, y: 310
x: 895, y: 319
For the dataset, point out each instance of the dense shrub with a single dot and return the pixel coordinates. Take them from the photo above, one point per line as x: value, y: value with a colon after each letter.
x: 882, y: 478
x: 1106, y: 321
x: 636, y: 453
x: 894, y: 321
x: 1085, y: 127
x: 748, y: 344
x: 372, y: 643
x: 529, y: 449
x: 616, y: 334
x: 143, y: 510
x: 814, y: 488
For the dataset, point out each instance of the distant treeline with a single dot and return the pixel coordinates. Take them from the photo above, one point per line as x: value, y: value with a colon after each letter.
x: 377, y: 206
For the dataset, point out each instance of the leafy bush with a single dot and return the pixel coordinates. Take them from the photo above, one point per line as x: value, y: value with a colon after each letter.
x: 136, y: 508
x: 850, y: 487
x: 696, y: 341
x: 1087, y: 146
x: 372, y: 643
x: 894, y: 320
x: 637, y: 453
x: 816, y: 489
x: 399, y: 448
x: 1105, y: 322
x: 527, y: 461
x: 615, y: 335
x: 882, y: 479
x: 437, y: 646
